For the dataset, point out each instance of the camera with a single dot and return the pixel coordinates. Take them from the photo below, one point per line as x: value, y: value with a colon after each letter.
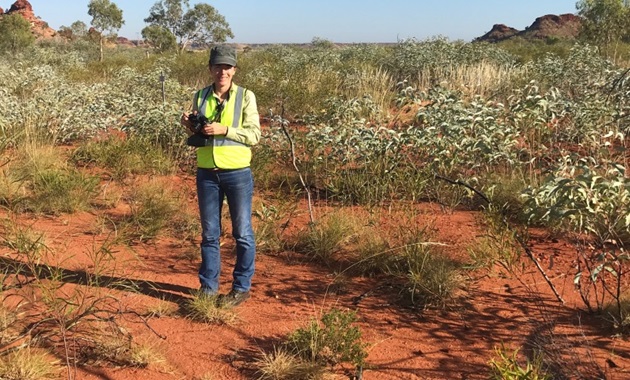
x: 197, y: 122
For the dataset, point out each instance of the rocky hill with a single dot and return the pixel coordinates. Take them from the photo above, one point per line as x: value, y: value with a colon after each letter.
x: 23, y: 7
x: 566, y: 26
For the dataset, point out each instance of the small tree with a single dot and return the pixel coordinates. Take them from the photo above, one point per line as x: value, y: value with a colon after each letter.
x: 15, y: 33
x: 160, y: 38
x: 322, y: 43
x: 77, y: 30
x: 201, y: 25
x: 106, y: 17
x: 65, y: 32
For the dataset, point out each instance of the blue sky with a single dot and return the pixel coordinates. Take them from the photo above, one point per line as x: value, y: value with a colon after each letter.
x: 298, y: 21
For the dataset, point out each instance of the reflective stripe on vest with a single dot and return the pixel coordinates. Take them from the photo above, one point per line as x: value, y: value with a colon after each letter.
x: 224, y: 153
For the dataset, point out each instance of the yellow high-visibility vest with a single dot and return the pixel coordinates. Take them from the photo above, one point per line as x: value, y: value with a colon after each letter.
x: 223, y: 153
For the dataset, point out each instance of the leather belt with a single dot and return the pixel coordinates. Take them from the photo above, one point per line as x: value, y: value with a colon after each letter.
x: 218, y: 170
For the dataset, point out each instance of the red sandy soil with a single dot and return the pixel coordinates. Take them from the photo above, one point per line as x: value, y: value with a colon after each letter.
x: 403, y: 343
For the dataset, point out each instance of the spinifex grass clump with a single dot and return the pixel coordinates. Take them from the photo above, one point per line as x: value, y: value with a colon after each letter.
x: 281, y: 364
x: 29, y: 364
x: 506, y: 366
x: 373, y: 255
x: 53, y: 191
x: 154, y: 207
x: 124, y: 156
x: 62, y: 191
x: 10, y: 326
x: 499, y: 245
x: 39, y: 180
x: 21, y: 239
x: 268, y: 226
x: 323, y: 240
x: 122, y: 350
x: 205, y: 308
x: 11, y: 191
x: 504, y: 189
x: 430, y: 277
x: 311, y: 351
x: 378, y: 182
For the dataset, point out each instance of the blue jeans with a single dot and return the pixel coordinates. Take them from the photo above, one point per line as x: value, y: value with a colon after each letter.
x: 238, y: 187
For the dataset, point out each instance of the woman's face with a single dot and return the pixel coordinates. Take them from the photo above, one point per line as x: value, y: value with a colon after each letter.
x: 222, y: 74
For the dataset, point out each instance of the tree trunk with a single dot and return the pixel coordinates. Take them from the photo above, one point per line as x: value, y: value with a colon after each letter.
x: 182, y: 49
x: 101, y: 47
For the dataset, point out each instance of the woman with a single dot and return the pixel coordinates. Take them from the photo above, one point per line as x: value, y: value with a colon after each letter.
x: 223, y: 159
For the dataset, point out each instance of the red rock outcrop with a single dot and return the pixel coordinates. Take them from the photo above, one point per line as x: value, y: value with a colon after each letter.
x: 40, y: 28
x: 565, y: 26
x: 499, y: 32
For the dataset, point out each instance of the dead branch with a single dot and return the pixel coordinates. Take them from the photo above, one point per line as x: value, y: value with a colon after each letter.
x: 283, y: 124
x: 517, y: 235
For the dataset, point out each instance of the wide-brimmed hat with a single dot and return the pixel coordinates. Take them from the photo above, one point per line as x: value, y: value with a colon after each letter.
x: 223, y: 55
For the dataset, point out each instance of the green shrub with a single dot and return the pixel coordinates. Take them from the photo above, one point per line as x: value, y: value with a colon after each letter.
x: 585, y: 198
x: 330, y: 341
x: 531, y: 50
x: 191, y: 69
x: 265, y: 166
x: 290, y: 78
x: 15, y: 33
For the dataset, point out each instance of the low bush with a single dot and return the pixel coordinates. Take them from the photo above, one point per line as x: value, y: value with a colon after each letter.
x: 332, y: 340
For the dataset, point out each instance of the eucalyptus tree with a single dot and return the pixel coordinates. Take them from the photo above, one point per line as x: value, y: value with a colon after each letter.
x: 202, y: 24
x: 106, y: 17
x: 160, y: 38
x: 15, y: 33
x: 77, y: 29
x: 605, y: 22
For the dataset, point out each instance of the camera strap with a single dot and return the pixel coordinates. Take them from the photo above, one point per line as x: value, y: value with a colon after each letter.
x: 197, y: 101
x: 220, y: 104
x: 218, y: 110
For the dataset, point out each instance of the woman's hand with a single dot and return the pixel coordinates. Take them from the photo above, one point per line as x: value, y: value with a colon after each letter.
x: 215, y: 129
x: 185, y: 122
